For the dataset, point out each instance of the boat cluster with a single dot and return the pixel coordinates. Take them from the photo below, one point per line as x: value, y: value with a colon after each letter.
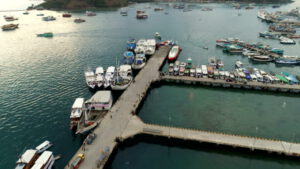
x: 239, y: 74
x: 282, y: 25
x: 257, y: 52
x: 37, y: 158
x: 120, y: 77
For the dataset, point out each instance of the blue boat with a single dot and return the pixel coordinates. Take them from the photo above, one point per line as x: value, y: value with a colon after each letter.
x: 282, y: 61
x: 131, y: 44
x: 277, y: 51
x: 128, y: 58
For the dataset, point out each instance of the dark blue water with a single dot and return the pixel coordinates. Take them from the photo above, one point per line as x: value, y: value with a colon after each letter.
x: 40, y: 78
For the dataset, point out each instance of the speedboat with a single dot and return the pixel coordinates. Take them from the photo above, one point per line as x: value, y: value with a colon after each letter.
x: 151, y: 45
x: 110, y: 72
x: 139, y: 61
x: 76, y: 112
x: 99, y: 73
x: 131, y: 44
x: 123, y: 78
x: 238, y: 64
x: 43, y: 147
x: 49, y: 18
x: 174, y: 52
x: 90, y: 79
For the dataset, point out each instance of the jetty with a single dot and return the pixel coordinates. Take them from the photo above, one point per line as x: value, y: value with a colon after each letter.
x: 121, y: 121
x: 235, y: 84
x: 115, y: 122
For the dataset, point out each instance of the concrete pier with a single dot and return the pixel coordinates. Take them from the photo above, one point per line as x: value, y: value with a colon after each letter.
x: 223, y: 83
x: 116, y: 120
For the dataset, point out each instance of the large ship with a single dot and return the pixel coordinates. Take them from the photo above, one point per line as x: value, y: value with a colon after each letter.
x: 31, y: 159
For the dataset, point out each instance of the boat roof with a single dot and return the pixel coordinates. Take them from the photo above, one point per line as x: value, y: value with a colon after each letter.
x: 99, y: 70
x: 128, y: 54
x: 151, y: 42
x: 45, y: 143
x: 281, y: 78
x: 100, y: 96
x: 78, y: 103
x: 89, y: 73
x: 27, y: 156
x: 110, y: 69
x: 37, y: 166
x: 44, y: 157
x: 125, y: 68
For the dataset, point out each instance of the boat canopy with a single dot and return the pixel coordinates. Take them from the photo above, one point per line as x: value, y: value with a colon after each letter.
x: 151, y: 42
x: 78, y: 103
x: 100, y: 97
x: 99, y: 70
x: 27, y: 156
x: 89, y: 73
x: 110, y: 69
x: 43, y: 159
x: 125, y: 68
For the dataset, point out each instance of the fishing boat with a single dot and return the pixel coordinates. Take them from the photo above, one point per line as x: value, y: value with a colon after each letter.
x: 90, y: 13
x: 123, y: 78
x: 151, y: 46
x: 198, y: 72
x: 90, y: 79
x: 131, y: 44
x: 43, y: 147
x: 101, y: 100
x: 171, y: 69
x: 78, y: 20
x: 277, y: 51
x: 286, y: 61
x: 128, y: 58
x: 66, y: 15
x: 109, y: 75
x: 141, y: 46
x: 238, y: 64
x: 45, y: 35
x: 10, y: 18
x: 233, y: 49
x: 99, y: 73
x: 189, y: 63
x: 269, y: 35
x: 182, y: 68
x: 262, y: 14
x: 157, y: 36
x: 141, y: 14
x: 261, y: 58
x: 10, y: 27
x: 174, y: 53
x: 139, y: 61
x: 49, y: 18
x: 176, y: 68
x: 76, y: 112
x: 287, y: 41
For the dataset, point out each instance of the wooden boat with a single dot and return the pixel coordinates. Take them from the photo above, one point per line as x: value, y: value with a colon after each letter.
x: 10, y: 27
x: 174, y: 52
x: 261, y: 58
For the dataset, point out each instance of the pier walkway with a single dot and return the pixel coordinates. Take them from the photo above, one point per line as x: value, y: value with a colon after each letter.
x: 136, y: 126
x: 224, y: 83
x: 116, y: 120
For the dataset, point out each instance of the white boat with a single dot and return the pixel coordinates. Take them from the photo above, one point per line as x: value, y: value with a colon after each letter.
x: 287, y: 41
x: 42, y: 147
x: 27, y: 159
x: 90, y: 13
x: 123, y: 78
x: 182, y: 68
x: 176, y: 68
x: 99, y: 76
x: 204, y: 70
x: 238, y: 64
x: 45, y: 161
x: 90, y: 79
x: 141, y: 46
x: 49, y: 18
x: 76, y: 112
x: 198, y: 72
x: 139, y: 61
x: 110, y: 72
x: 101, y: 100
x: 151, y: 46
x: 174, y: 52
x: 262, y: 14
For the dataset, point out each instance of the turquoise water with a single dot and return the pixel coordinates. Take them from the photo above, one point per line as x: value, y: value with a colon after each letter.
x: 40, y: 78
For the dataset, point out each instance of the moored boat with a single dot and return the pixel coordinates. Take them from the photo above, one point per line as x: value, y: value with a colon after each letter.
x: 90, y: 79
x: 261, y: 58
x: 157, y: 36
x: 10, y: 27
x: 286, y: 61
x: 151, y: 46
x: 131, y: 44
x: 123, y: 78
x: 99, y: 73
x: 43, y: 147
x: 238, y: 64
x: 78, y: 20
x: 45, y: 161
x: 76, y: 112
x: 174, y: 53
x: 287, y: 41
x: 139, y: 61
x: 110, y: 73
x: 101, y: 100
x: 66, y: 15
